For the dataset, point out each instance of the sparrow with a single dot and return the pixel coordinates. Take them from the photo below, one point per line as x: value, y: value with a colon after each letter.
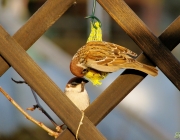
x: 98, y: 58
x: 76, y: 92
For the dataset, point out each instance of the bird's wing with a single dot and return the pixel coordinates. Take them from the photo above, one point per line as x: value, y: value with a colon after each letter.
x: 107, y: 57
x: 118, y: 50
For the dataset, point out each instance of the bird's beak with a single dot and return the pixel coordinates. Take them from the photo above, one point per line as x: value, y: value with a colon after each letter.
x: 85, y: 81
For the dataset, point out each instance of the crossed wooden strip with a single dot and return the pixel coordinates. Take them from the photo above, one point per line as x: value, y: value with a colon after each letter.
x: 13, y: 53
x: 147, y: 41
x: 38, y: 80
x: 35, y: 27
x: 128, y: 89
x: 125, y: 83
x: 121, y: 87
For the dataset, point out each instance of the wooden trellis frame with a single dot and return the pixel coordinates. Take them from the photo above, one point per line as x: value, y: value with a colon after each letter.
x: 13, y: 54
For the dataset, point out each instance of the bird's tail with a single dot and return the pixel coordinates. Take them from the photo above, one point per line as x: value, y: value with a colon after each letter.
x: 144, y: 68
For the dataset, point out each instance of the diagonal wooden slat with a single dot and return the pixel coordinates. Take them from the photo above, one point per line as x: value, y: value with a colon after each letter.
x: 124, y: 84
x: 37, y: 25
x: 172, y: 33
x: 102, y: 94
x: 36, y: 78
x: 141, y: 35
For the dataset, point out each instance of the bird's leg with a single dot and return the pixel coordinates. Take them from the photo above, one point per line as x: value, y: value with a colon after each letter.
x: 38, y: 105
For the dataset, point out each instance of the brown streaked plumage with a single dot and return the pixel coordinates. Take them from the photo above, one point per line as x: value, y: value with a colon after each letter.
x: 106, y: 57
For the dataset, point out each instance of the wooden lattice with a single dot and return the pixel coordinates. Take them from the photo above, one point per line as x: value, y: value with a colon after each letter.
x: 158, y: 50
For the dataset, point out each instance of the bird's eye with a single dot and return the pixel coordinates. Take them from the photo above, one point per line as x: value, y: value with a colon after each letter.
x: 84, y: 71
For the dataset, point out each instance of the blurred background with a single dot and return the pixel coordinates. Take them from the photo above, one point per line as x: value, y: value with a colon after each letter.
x: 151, y: 111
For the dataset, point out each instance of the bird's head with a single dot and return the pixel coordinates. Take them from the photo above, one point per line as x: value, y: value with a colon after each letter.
x: 76, y: 85
x: 77, y: 69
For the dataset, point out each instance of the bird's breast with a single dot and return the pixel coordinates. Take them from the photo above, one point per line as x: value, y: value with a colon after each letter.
x: 81, y: 99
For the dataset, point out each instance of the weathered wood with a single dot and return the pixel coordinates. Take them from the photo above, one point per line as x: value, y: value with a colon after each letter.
x: 124, y: 84
x: 46, y: 88
x: 173, y: 35
x: 37, y: 25
x: 101, y: 110
x: 142, y: 36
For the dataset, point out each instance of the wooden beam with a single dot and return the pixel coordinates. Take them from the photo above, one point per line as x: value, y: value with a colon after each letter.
x: 35, y: 27
x: 142, y: 36
x: 124, y: 84
x: 37, y: 79
x: 173, y: 35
